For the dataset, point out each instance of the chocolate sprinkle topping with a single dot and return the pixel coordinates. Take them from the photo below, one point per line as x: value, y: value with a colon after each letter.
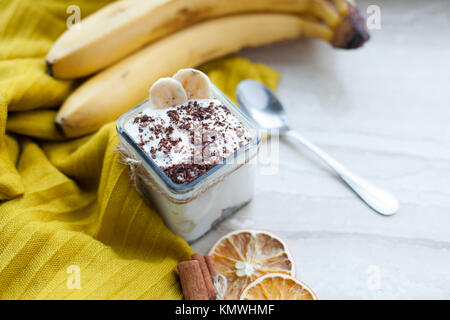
x: 188, y: 140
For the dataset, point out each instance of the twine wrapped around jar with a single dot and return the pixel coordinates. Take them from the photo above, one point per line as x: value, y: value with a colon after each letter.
x: 142, y: 180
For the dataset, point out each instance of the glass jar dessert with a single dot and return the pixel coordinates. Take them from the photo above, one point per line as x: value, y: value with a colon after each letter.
x: 190, y: 151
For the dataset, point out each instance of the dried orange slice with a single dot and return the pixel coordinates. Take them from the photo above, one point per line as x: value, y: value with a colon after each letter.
x: 278, y: 286
x: 243, y: 256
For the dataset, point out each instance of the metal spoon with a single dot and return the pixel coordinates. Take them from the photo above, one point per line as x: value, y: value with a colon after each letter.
x: 261, y: 105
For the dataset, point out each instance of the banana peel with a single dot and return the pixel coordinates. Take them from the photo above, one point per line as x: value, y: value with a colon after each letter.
x: 351, y: 33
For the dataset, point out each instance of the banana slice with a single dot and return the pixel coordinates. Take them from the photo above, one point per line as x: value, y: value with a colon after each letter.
x: 196, y: 83
x: 166, y: 93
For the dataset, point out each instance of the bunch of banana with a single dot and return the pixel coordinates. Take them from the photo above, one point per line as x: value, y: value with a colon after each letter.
x: 136, y: 42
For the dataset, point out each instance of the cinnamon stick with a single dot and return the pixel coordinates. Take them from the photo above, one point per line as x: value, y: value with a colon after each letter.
x: 206, y: 275
x: 192, y: 281
x: 212, y: 269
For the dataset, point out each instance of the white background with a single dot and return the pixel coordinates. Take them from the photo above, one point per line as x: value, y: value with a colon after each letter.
x: 384, y: 111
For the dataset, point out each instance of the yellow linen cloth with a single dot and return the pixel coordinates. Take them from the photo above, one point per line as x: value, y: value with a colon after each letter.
x: 71, y: 224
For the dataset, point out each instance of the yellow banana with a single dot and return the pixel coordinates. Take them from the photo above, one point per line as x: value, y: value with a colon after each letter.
x: 341, y: 6
x: 115, y: 90
x: 127, y: 25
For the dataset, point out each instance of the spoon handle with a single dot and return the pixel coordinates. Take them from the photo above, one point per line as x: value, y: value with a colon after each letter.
x: 378, y: 199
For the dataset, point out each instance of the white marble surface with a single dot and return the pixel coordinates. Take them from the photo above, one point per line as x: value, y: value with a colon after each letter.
x: 384, y: 111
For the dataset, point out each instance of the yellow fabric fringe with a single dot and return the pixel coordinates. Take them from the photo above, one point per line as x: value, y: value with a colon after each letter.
x: 67, y: 208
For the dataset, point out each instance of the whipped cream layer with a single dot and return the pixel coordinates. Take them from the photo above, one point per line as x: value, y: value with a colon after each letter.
x: 187, y: 140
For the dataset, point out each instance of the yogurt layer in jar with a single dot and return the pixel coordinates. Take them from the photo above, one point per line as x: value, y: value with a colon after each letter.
x: 191, y: 153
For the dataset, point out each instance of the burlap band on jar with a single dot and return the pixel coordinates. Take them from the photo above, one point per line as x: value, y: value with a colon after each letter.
x: 143, y: 181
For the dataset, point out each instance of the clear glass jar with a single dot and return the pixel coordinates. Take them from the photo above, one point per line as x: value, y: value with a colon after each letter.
x: 190, y: 210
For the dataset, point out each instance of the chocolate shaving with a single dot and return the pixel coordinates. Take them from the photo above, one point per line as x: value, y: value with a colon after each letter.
x: 206, y: 125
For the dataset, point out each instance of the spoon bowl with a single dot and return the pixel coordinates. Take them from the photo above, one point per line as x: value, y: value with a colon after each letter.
x: 258, y: 102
